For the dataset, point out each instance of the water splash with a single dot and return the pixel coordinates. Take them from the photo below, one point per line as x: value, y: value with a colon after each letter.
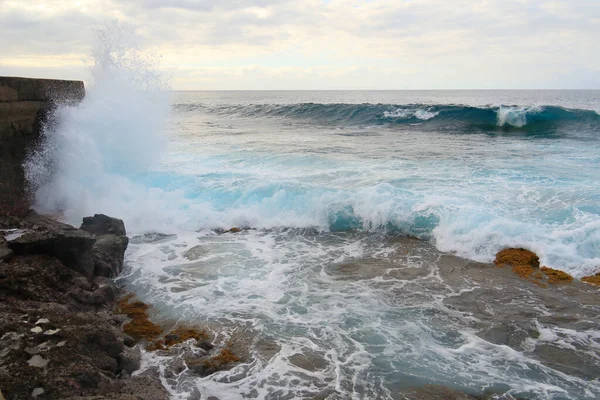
x: 91, y: 150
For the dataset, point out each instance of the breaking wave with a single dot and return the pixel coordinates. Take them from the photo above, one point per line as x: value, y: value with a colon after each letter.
x: 104, y: 155
x: 532, y: 117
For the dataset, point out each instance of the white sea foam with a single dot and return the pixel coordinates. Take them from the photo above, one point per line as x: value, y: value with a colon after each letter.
x: 407, y: 113
x: 515, y: 116
x: 93, y: 150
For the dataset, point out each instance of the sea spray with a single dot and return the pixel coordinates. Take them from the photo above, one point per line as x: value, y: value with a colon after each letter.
x: 275, y: 166
x: 90, y: 151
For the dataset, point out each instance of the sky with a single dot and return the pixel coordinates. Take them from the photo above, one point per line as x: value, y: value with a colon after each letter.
x: 319, y: 44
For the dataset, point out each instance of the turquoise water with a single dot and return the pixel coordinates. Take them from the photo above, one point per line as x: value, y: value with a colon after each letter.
x: 471, y: 171
x: 324, y: 181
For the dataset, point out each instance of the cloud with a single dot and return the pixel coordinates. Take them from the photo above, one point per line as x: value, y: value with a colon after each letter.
x: 428, y: 43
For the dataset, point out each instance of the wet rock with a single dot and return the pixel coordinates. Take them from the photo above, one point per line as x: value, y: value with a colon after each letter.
x: 309, y: 360
x: 565, y: 359
x: 206, y: 345
x: 517, y: 256
x: 195, y: 252
x: 110, y: 245
x: 130, y: 360
x: 119, y: 319
x: 140, y: 327
x: 100, y: 296
x: 226, y: 359
x: 511, y: 311
x: 267, y: 348
x: 128, y: 340
x: 109, y: 253
x: 101, y: 224
x: 594, y: 279
x: 437, y: 392
x: 197, y: 365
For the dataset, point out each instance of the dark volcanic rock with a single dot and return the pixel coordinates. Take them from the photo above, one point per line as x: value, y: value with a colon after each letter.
x: 111, y: 243
x: 59, y: 337
x: 5, y: 253
x: 73, y: 247
x: 109, y: 253
x: 101, y: 224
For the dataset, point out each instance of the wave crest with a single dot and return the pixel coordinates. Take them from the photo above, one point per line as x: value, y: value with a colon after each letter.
x: 531, y: 118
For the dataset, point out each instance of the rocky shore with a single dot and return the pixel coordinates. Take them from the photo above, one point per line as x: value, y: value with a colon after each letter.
x: 67, y: 330
x: 60, y: 336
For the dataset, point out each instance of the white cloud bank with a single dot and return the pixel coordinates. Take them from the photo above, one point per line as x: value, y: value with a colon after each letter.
x: 317, y: 44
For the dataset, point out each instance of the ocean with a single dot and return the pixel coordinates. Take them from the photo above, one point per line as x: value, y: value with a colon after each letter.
x: 352, y: 205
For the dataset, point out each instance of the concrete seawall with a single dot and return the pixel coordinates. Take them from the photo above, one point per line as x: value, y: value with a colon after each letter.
x: 25, y: 104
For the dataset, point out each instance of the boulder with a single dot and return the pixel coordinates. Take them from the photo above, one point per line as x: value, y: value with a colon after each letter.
x: 109, y: 253
x: 130, y: 360
x: 101, y: 224
x: 73, y: 247
x: 110, y: 246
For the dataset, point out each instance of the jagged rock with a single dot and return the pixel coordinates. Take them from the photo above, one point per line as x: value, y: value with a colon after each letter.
x: 102, y: 295
x: 73, y: 247
x: 82, y: 283
x: 101, y: 224
x: 109, y: 253
x: 206, y: 345
x: 111, y: 243
x: 128, y: 340
x: 130, y: 360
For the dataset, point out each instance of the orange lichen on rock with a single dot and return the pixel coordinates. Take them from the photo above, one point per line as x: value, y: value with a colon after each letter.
x: 514, y: 257
x: 594, y: 279
x: 555, y: 276
x: 140, y: 327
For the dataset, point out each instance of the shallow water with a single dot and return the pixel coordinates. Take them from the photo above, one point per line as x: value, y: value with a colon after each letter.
x: 354, y: 315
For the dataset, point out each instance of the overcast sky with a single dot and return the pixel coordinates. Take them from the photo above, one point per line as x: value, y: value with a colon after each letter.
x: 320, y: 44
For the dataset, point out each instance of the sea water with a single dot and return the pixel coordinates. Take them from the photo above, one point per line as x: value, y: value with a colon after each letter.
x: 323, y: 181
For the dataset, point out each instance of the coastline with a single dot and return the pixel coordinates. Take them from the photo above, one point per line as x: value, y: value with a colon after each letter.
x: 69, y: 330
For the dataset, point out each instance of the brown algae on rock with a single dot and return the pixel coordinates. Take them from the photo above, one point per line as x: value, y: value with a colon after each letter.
x: 221, y: 361
x: 177, y: 336
x: 526, y: 264
x: 517, y: 256
x: 555, y: 276
x: 594, y: 279
x: 140, y: 327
